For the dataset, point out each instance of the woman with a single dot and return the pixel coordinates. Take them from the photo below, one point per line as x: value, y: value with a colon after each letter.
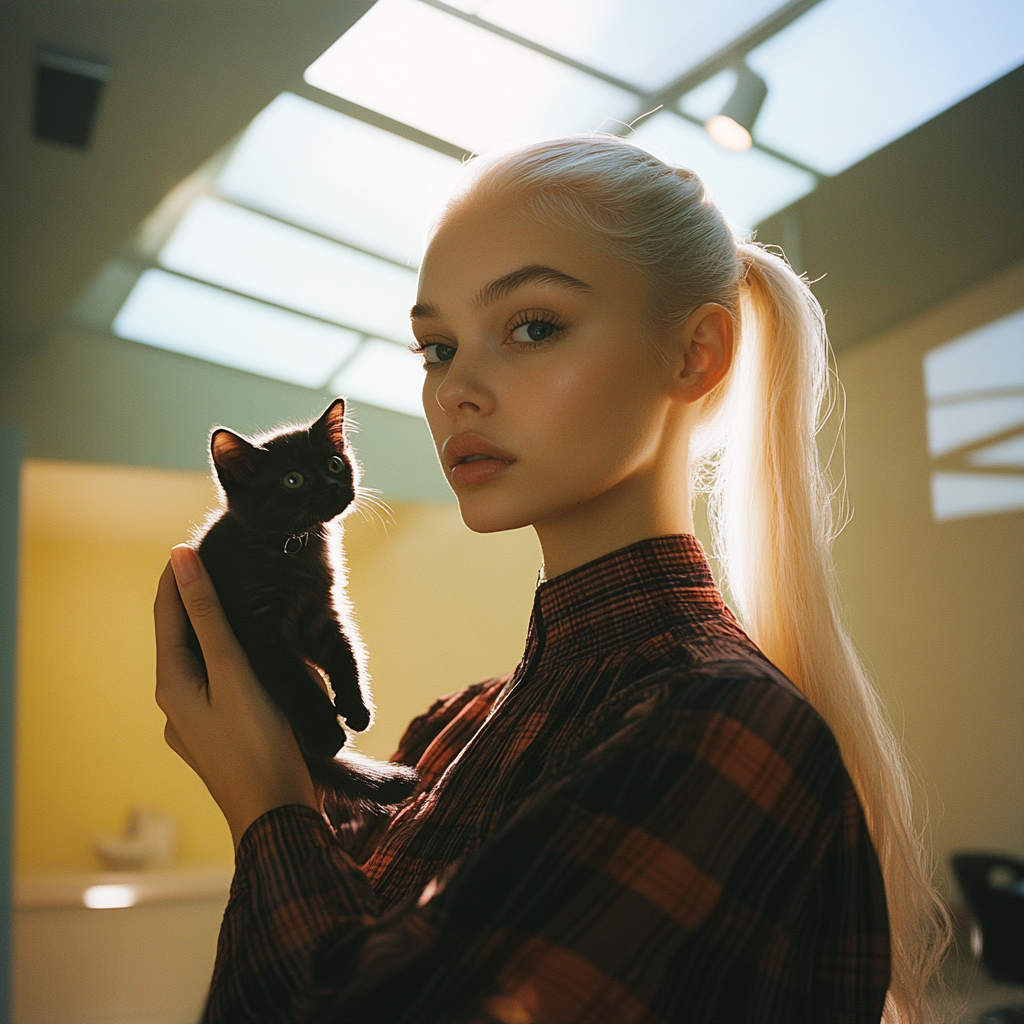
x: 648, y: 820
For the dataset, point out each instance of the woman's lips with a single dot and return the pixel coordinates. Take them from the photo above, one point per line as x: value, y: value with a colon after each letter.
x: 473, y: 459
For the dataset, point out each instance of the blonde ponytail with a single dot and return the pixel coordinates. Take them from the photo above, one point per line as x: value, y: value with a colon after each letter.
x: 755, y: 451
x: 771, y: 517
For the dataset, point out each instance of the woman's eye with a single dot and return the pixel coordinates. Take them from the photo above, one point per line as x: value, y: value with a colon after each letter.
x: 335, y: 463
x: 434, y: 352
x: 293, y: 480
x: 534, y: 331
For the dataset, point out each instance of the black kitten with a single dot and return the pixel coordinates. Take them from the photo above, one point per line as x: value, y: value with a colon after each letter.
x: 269, y: 554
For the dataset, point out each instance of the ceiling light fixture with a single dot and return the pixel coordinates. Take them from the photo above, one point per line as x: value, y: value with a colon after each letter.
x: 732, y: 127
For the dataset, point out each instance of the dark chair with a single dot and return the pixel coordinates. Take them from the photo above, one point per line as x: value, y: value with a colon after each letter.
x: 993, y: 887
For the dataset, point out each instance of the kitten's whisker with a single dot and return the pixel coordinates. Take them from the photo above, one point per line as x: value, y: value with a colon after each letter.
x: 368, y: 495
x: 372, y: 508
x: 383, y: 506
x: 384, y: 519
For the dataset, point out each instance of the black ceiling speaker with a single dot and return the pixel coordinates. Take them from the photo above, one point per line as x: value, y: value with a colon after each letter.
x: 67, y: 97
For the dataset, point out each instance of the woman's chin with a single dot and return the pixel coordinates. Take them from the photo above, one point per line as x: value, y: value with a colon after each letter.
x: 482, y: 516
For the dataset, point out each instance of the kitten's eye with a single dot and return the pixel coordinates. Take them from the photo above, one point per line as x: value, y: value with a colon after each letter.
x: 293, y: 480
x: 335, y: 463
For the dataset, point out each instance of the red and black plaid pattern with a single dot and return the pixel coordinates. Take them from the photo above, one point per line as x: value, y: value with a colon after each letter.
x: 644, y: 822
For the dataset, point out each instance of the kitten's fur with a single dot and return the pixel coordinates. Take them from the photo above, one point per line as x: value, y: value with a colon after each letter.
x: 269, y: 554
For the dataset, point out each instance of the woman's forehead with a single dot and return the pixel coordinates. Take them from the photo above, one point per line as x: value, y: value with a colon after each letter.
x: 479, y: 245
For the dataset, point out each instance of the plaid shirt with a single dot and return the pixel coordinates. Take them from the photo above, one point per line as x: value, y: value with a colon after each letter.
x: 645, y: 822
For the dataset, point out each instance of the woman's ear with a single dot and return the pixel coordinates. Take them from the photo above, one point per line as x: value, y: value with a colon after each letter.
x: 705, y: 341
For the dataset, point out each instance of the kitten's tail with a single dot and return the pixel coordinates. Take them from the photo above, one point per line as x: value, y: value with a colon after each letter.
x: 362, y: 780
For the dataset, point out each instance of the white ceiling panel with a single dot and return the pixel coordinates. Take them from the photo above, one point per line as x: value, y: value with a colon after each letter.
x: 461, y: 83
x: 238, y: 249
x: 194, y: 319
x: 322, y: 170
x: 851, y: 76
x: 647, y: 43
x: 383, y: 374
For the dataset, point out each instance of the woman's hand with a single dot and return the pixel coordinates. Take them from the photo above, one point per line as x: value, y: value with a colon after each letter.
x: 228, y: 731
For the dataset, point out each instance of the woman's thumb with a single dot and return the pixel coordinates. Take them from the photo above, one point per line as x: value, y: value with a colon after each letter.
x: 201, y: 603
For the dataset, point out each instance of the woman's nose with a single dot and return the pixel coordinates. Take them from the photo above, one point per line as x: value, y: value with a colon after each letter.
x: 464, y: 388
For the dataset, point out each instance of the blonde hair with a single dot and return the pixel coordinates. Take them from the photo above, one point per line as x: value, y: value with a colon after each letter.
x: 755, y: 453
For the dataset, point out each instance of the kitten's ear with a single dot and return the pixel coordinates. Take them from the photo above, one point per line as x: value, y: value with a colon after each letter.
x: 332, y: 424
x: 233, y: 455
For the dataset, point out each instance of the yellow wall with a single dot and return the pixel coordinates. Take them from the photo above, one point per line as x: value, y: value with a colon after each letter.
x: 90, y: 738
x: 936, y: 608
x: 439, y: 608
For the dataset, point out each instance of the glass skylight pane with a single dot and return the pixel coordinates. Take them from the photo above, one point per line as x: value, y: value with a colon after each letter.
x: 383, y: 374
x: 710, y: 96
x: 850, y: 76
x: 320, y: 169
x: 748, y: 186
x: 194, y: 319
x: 471, y: 87
x: 645, y: 42
x: 988, y: 359
x: 216, y: 241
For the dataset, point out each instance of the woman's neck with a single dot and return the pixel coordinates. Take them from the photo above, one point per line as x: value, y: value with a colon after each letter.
x: 649, y: 504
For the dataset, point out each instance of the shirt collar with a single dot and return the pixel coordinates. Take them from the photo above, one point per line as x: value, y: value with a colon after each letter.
x: 627, y: 596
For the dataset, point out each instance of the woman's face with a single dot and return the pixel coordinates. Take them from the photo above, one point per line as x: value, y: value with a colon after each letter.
x: 542, y: 392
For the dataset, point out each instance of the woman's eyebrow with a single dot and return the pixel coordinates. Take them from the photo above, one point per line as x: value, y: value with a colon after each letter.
x: 424, y: 311
x: 533, y: 273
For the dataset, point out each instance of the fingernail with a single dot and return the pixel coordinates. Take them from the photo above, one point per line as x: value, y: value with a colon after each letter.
x: 185, y: 564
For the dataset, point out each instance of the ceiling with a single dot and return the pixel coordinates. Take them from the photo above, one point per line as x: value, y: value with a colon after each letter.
x: 896, y: 232
x: 189, y: 75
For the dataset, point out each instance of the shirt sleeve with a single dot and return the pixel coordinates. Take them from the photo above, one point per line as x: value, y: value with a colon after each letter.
x: 688, y: 868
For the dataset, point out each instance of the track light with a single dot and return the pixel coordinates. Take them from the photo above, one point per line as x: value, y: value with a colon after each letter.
x: 732, y: 127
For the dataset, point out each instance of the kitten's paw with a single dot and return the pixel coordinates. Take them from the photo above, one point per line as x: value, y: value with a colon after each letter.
x: 357, y: 719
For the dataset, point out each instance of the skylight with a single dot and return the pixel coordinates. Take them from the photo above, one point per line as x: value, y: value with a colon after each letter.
x: 261, y: 257
x: 645, y: 42
x: 339, y: 177
x: 197, y: 320
x: 302, y: 264
x: 461, y: 83
x: 850, y: 76
x: 383, y: 374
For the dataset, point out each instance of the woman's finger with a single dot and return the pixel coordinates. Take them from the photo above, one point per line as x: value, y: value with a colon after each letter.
x: 203, y: 606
